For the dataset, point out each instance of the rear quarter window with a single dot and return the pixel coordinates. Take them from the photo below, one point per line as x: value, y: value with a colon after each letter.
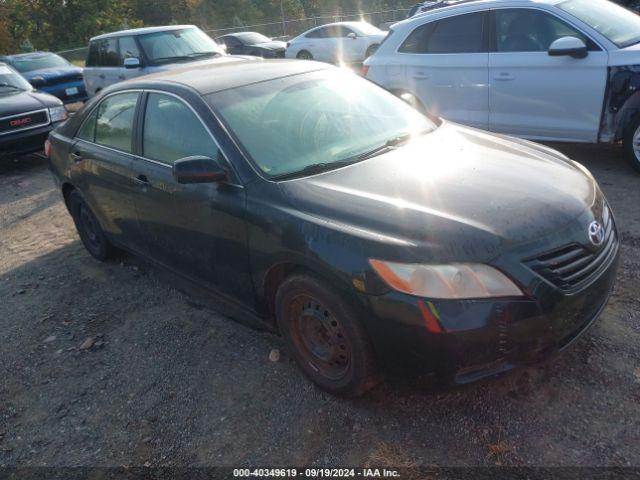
x: 459, y: 34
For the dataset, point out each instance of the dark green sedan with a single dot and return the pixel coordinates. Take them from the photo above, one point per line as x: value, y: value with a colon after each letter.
x: 372, y: 238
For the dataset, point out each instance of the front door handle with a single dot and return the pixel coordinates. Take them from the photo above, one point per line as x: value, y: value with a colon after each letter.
x: 76, y: 157
x: 141, y: 180
x: 504, y: 77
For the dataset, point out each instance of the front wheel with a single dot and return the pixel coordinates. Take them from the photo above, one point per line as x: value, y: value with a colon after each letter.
x: 631, y: 142
x: 325, y: 337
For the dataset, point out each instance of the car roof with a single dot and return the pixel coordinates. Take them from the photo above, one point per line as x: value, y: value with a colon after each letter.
x: 224, y: 73
x: 142, y: 31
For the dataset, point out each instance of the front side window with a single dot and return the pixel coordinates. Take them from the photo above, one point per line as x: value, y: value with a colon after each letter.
x: 525, y: 30
x: 128, y: 48
x: 612, y: 21
x: 314, y: 120
x: 172, y: 131
x: 114, y: 123
x: 459, y: 34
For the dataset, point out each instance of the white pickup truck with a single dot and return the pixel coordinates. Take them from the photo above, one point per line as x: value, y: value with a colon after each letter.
x: 548, y: 70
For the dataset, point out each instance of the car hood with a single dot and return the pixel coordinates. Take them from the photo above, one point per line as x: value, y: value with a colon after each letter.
x: 457, y: 191
x: 50, y: 73
x: 273, y: 45
x: 13, y: 103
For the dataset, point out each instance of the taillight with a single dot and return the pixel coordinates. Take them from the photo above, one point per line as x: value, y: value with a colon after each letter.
x: 47, y: 148
x: 365, y: 70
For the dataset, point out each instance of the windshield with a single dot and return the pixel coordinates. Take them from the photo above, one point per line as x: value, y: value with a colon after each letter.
x: 364, y: 28
x: 28, y: 64
x: 10, y: 80
x: 177, y: 45
x: 323, y: 119
x: 252, y: 38
x: 619, y: 25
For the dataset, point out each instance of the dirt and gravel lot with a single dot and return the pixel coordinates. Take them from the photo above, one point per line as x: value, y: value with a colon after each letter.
x: 123, y: 364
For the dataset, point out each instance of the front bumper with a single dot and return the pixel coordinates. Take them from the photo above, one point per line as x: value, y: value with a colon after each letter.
x: 481, y: 338
x: 22, y: 143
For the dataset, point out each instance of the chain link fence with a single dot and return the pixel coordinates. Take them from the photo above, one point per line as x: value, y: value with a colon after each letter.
x: 279, y: 29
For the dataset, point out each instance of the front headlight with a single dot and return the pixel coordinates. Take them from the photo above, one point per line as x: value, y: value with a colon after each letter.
x: 58, y: 114
x: 452, y: 281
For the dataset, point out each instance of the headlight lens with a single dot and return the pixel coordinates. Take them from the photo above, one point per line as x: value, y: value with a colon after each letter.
x: 58, y: 114
x: 452, y: 281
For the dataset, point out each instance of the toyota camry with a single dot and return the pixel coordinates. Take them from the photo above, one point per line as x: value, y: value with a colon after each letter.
x: 372, y: 238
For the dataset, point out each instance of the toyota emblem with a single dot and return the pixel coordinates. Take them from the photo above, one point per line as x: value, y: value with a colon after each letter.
x: 596, y: 234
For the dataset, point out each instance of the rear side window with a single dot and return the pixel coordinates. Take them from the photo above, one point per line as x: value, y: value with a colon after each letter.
x: 460, y: 34
x: 104, y: 53
x: 318, y: 33
x: 172, y: 131
x: 114, y: 123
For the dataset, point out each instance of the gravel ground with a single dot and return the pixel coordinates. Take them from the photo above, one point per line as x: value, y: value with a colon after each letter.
x: 123, y: 364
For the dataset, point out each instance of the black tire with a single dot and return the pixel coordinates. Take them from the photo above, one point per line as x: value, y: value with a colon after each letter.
x: 632, y: 153
x: 371, y: 50
x: 89, y: 229
x: 325, y: 337
x: 304, y: 55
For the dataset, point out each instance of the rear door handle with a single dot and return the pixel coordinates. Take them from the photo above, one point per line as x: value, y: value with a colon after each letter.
x: 141, y: 180
x: 76, y: 157
x: 504, y: 77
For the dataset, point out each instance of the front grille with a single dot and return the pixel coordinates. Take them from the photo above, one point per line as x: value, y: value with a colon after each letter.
x: 23, y: 121
x: 573, y: 266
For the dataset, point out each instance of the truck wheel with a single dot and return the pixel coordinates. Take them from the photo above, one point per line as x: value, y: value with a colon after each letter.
x: 631, y: 142
x: 304, y: 55
x: 325, y: 337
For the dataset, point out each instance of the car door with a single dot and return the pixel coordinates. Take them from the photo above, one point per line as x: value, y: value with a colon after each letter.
x: 446, y: 65
x: 539, y: 96
x: 196, y: 229
x: 350, y: 48
x: 319, y: 44
x: 102, y: 165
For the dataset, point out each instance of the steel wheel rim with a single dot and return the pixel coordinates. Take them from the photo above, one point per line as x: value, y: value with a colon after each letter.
x: 636, y: 143
x: 320, y: 337
x: 90, y: 227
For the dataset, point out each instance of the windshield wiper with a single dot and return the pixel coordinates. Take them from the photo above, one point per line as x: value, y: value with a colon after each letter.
x: 203, y: 54
x: 314, y: 169
x: 171, y: 59
x: 8, y: 85
x: 391, y: 144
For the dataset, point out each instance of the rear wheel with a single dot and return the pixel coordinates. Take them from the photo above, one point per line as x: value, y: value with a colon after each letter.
x: 631, y: 142
x: 89, y: 229
x: 325, y: 337
x: 304, y: 55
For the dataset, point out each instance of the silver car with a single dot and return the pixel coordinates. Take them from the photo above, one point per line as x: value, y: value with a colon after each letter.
x: 119, y: 56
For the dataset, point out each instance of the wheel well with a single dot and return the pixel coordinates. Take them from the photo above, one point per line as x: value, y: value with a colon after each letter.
x: 67, y: 188
x: 276, y: 277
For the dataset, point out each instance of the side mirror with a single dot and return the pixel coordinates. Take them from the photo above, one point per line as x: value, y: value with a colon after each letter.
x: 38, y: 82
x: 568, y: 46
x: 132, y: 62
x: 352, y: 36
x: 198, y: 170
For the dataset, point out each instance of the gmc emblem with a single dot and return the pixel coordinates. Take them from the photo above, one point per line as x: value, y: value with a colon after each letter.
x: 20, y: 122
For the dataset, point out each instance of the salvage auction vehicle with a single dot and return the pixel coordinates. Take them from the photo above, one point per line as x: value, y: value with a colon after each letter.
x: 553, y: 70
x: 26, y: 116
x: 369, y: 235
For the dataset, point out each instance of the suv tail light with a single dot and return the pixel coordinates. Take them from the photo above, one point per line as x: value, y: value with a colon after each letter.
x: 47, y: 148
x: 365, y: 70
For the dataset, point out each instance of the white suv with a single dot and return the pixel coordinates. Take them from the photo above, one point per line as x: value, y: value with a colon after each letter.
x: 554, y: 70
